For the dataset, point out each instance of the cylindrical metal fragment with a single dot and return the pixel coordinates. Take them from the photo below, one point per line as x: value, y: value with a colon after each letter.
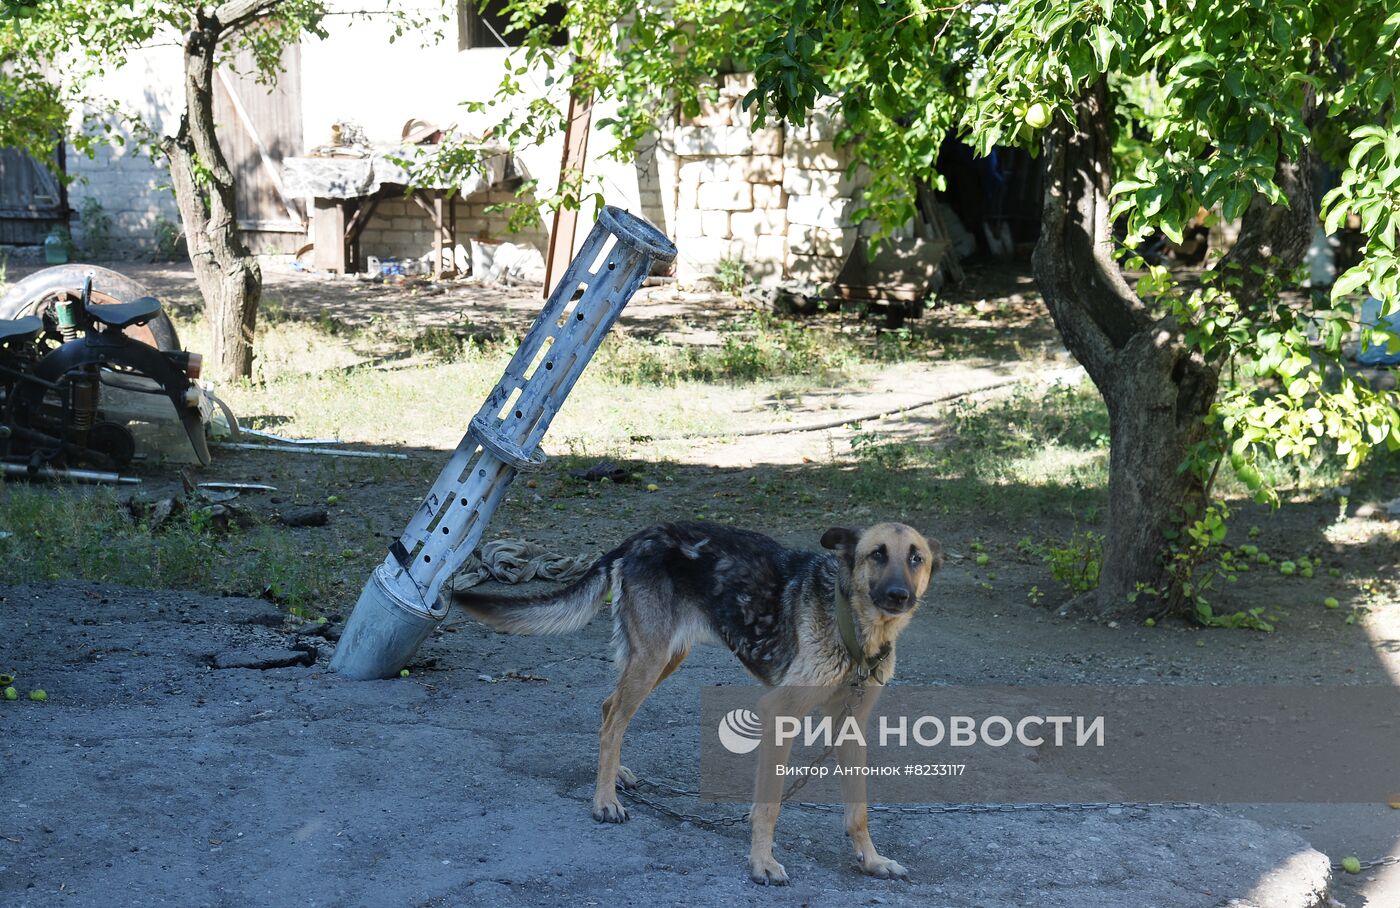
x: 401, y: 602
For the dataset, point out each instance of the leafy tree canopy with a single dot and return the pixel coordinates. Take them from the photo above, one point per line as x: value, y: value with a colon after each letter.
x: 1208, y: 98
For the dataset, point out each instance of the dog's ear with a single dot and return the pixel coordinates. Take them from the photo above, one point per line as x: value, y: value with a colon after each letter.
x: 842, y: 540
x: 935, y: 554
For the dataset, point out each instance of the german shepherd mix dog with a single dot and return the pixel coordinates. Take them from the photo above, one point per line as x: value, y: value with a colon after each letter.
x: 818, y: 627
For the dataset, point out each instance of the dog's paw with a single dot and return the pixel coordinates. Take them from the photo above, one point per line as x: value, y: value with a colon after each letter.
x: 884, y: 868
x: 626, y: 778
x: 768, y: 873
x: 609, y: 811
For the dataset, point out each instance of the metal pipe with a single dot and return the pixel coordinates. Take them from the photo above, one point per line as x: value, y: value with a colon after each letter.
x: 301, y: 449
x: 69, y: 475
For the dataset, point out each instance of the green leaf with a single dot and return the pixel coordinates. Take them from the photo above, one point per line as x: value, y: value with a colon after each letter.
x: 1103, y: 45
x: 1351, y: 280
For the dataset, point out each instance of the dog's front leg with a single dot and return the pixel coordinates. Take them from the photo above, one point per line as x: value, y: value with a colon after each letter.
x: 852, y: 755
x: 768, y: 786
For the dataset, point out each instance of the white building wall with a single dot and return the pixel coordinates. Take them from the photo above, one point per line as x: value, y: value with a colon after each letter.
x: 133, y: 190
x: 356, y: 75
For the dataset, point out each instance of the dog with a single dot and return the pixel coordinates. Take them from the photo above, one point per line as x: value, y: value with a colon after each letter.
x: 818, y: 628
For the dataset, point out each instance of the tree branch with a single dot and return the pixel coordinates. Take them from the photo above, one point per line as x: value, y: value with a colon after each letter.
x: 235, y: 14
x: 1095, y: 310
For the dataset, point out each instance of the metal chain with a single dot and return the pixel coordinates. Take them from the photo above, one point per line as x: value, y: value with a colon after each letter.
x: 1081, y: 807
x: 633, y: 794
x: 1370, y: 865
x: 851, y: 703
x: 919, y: 809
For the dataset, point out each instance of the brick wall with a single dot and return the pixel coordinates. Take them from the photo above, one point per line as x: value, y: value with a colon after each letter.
x: 133, y: 191
x: 402, y: 229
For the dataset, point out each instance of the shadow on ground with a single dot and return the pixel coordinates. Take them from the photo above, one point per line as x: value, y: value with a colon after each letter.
x: 151, y: 775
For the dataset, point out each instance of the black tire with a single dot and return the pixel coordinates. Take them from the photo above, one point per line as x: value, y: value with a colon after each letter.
x: 20, y: 299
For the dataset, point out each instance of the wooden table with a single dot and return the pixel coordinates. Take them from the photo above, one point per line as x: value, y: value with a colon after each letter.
x: 339, y: 223
x: 345, y: 190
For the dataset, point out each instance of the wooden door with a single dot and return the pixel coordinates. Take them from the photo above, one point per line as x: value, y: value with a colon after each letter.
x: 258, y: 126
x: 32, y: 199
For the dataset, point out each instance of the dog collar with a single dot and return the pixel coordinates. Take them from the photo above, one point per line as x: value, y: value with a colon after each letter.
x: 866, y: 665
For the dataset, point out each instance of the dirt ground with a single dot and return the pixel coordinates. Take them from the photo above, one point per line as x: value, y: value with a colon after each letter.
x: 153, y: 775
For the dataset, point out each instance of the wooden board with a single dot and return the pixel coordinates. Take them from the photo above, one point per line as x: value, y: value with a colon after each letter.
x: 259, y: 126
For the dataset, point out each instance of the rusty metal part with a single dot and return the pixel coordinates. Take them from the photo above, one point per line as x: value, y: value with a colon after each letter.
x: 84, y: 390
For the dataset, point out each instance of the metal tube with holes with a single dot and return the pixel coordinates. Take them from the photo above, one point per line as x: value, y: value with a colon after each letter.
x: 401, y: 603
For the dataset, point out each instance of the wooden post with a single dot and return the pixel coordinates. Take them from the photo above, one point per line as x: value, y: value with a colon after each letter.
x: 561, y: 238
x: 329, y: 237
x: 439, y: 234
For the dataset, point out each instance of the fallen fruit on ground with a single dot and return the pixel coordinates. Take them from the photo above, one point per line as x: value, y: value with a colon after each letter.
x: 1331, y: 602
x: 38, y: 695
x: 11, y: 694
x: 1351, y: 865
x: 984, y: 559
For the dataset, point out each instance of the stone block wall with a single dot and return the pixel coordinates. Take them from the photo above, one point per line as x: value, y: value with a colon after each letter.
x: 778, y: 199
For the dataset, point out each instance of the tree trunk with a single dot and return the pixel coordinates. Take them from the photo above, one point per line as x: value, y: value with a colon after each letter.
x: 228, y: 276
x: 1156, y: 388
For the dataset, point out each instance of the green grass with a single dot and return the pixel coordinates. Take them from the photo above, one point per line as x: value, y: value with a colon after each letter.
x: 88, y: 534
x: 1034, y: 450
x: 313, y: 380
x: 763, y: 348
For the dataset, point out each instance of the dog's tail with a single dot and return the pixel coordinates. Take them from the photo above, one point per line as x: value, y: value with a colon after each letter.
x: 560, y: 612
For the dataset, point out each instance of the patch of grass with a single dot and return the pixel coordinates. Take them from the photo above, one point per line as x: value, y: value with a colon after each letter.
x: 97, y: 229
x: 75, y: 534
x: 756, y: 348
x: 1035, y: 449
x: 170, y: 240
x: 311, y: 382
x: 730, y: 276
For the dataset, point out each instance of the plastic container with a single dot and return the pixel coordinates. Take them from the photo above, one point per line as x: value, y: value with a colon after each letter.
x: 56, y: 247
x: 1374, y: 353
